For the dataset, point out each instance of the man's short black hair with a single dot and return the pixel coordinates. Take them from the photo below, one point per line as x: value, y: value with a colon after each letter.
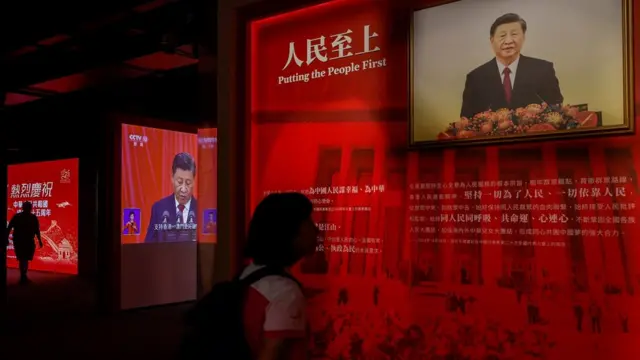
x: 274, y: 227
x: 27, y: 206
x: 183, y: 161
x: 508, y: 19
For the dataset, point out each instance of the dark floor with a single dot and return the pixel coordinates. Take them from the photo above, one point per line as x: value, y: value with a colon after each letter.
x: 54, y: 316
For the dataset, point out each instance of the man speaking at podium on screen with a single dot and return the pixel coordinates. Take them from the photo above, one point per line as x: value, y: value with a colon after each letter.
x: 510, y: 80
x: 173, y: 218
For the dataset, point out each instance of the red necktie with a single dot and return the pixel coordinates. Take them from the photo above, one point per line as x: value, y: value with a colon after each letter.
x: 507, y: 84
x: 180, y: 210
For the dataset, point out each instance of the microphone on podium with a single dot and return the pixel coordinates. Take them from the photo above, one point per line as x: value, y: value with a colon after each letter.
x: 165, y: 219
x: 191, y: 220
x: 553, y: 106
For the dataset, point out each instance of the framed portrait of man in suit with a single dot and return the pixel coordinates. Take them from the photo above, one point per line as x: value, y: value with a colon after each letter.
x: 485, y: 71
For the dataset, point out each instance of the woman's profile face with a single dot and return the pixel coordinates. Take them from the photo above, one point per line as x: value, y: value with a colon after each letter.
x: 132, y: 217
x: 307, y: 237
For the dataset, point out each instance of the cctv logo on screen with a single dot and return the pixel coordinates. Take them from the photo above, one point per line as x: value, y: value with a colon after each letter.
x: 138, y: 140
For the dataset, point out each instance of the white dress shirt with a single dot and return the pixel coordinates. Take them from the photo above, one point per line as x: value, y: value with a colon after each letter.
x: 514, y: 69
x: 185, y: 212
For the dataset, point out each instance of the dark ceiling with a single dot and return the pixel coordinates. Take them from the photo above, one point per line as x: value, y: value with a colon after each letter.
x: 59, y: 49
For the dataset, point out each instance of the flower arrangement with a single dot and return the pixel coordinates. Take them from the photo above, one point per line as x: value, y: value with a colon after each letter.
x: 533, y: 118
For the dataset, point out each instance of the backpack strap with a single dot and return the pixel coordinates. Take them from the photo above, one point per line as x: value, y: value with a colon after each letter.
x: 264, y: 272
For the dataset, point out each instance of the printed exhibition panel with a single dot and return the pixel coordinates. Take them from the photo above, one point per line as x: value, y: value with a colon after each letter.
x: 52, y: 189
x: 509, y: 250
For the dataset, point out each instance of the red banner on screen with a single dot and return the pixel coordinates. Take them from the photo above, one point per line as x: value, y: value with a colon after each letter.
x: 52, y: 188
x: 499, y: 252
x: 151, y: 188
x: 208, y: 184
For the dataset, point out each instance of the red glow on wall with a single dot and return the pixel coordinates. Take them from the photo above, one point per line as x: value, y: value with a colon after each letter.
x: 316, y: 10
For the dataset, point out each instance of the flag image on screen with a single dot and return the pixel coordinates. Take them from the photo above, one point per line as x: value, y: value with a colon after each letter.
x: 52, y: 189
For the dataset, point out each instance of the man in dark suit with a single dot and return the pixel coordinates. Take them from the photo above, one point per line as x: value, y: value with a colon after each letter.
x: 174, y: 217
x: 510, y: 80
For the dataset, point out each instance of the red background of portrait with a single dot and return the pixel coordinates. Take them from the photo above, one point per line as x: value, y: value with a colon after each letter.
x: 66, y: 218
x: 207, y: 178
x: 146, y: 170
x: 352, y: 130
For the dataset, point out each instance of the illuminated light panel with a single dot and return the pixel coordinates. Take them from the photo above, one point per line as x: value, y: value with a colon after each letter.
x: 89, y: 78
x: 150, y: 6
x: 24, y: 50
x: 161, y: 61
x: 17, y: 99
x: 54, y: 40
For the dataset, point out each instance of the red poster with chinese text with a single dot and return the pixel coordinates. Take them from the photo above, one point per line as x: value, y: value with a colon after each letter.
x: 52, y: 188
x: 500, y: 252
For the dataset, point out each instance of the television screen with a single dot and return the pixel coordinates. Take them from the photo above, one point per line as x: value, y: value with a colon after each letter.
x: 159, y: 170
x: 159, y: 216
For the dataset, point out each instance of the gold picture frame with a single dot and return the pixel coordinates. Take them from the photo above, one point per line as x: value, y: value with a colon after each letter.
x: 627, y: 127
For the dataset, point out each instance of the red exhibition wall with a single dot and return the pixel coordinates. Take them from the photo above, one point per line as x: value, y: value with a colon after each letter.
x: 52, y: 188
x: 498, y: 252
